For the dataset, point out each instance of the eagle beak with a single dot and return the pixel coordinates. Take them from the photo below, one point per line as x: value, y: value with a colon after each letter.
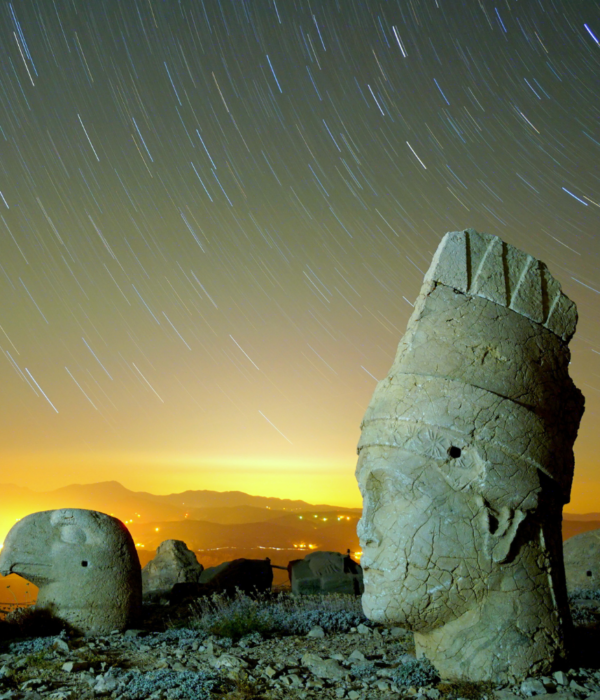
x: 23, y: 552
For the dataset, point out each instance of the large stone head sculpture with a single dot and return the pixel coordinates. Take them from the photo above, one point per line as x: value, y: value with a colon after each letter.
x: 84, y: 564
x: 465, y: 462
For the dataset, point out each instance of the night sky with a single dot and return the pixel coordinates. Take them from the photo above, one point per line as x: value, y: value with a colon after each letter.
x: 216, y: 214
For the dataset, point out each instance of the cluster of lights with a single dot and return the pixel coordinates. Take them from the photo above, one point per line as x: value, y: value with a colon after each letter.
x: 305, y: 546
x: 340, y: 517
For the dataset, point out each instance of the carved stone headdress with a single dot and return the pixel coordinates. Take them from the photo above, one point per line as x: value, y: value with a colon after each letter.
x: 484, y: 362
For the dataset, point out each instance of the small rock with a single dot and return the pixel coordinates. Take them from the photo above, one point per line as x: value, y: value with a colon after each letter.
x: 532, y: 686
x: 399, y: 632
x: 316, y: 631
x: 506, y: 695
x: 340, y: 692
x: 354, y: 695
x: 363, y: 629
x: 6, y: 672
x: 74, y: 666
x: 323, y: 668
x: 61, y: 645
x: 105, y: 684
x: 228, y: 661
x: 135, y: 633
x: 561, y: 677
x: 357, y: 656
x: 573, y: 685
x: 292, y: 680
x: 270, y: 671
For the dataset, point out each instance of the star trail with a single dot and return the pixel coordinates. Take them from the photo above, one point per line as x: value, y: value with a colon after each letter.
x: 215, y: 216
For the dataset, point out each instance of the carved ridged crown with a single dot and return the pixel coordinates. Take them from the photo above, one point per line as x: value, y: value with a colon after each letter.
x: 482, y: 265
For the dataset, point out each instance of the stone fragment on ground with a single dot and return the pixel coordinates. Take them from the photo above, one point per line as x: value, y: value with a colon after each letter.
x: 173, y: 563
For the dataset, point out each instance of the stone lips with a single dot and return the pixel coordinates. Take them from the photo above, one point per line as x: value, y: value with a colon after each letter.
x: 84, y: 563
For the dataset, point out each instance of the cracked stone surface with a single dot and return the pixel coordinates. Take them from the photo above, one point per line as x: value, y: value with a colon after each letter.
x: 465, y: 462
x: 84, y: 564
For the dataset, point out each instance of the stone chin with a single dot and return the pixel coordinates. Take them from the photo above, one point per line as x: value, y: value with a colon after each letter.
x: 390, y: 602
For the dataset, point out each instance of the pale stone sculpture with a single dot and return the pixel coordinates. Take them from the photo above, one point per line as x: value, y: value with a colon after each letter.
x: 325, y: 572
x: 173, y: 563
x: 465, y: 462
x: 84, y: 564
x: 582, y: 560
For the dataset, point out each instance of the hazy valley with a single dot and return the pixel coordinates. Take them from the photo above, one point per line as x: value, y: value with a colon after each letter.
x: 217, y: 526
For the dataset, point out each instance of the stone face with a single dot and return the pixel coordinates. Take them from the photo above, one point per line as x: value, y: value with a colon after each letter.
x: 247, y: 575
x: 582, y: 560
x: 465, y: 462
x: 174, y: 563
x: 84, y: 564
x: 325, y: 572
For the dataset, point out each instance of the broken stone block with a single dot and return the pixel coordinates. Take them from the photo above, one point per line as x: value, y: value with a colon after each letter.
x: 174, y: 563
x: 84, y: 564
x: 246, y: 575
x: 465, y: 462
x: 325, y: 572
x: 582, y: 560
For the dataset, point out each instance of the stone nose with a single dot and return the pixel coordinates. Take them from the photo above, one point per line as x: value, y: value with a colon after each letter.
x: 368, y: 535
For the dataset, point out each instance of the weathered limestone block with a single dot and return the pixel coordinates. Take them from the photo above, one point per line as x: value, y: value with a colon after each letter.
x: 465, y: 462
x: 325, y: 572
x: 173, y: 563
x: 247, y: 575
x: 84, y: 564
x: 582, y: 560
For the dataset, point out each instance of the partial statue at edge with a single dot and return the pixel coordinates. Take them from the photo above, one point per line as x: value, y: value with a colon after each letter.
x: 465, y: 463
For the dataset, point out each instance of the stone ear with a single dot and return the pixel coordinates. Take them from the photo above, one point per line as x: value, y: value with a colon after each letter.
x: 500, y: 531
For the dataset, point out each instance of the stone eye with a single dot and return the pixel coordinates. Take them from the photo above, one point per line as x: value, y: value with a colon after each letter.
x: 454, y: 452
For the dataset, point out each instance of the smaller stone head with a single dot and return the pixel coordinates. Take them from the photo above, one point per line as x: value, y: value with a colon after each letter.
x: 84, y: 564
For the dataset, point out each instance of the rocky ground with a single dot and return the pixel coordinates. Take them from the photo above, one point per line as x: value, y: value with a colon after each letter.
x: 174, y: 661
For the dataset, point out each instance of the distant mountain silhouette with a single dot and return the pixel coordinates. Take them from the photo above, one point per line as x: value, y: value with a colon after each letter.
x: 572, y: 527
x: 229, y: 507
x: 582, y: 516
